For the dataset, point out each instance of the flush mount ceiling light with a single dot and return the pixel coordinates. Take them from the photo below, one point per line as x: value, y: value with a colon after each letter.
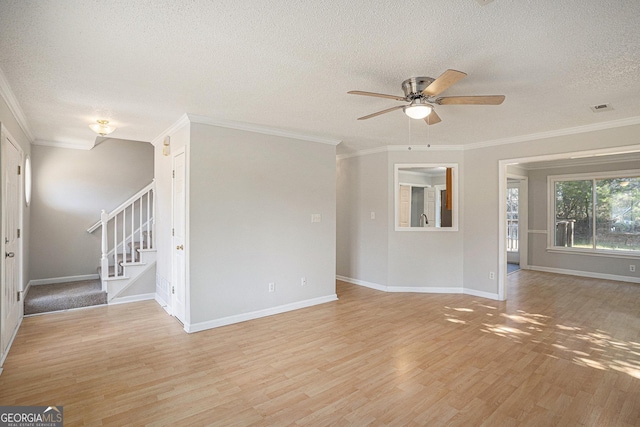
x: 417, y: 109
x: 102, y: 127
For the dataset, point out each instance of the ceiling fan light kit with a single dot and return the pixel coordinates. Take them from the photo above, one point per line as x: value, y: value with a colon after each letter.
x: 422, y: 93
x: 418, y: 109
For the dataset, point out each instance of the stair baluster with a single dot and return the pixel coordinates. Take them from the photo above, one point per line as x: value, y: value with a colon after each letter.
x: 124, y: 239
x: 104, y: 261
x: 153, y: 224
x: 134, y: 258
x: 140, y: 237
x: 115, y: 246
x: 148, y: 225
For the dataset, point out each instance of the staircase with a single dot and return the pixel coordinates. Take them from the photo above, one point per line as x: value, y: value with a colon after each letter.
x: 128, y: 249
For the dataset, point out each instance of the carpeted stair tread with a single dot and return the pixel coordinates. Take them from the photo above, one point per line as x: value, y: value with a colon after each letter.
x: 64, y: 296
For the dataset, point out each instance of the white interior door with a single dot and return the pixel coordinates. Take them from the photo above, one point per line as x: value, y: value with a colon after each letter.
x: 178, y: 287
x: 11, y: 306
x: 404, y: 208
x: 430, y: 206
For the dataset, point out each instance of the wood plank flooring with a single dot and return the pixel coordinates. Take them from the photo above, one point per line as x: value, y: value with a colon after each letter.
x: 563, y: 351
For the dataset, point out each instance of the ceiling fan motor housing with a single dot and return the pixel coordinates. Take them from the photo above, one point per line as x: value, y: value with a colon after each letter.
x: 414, y: 86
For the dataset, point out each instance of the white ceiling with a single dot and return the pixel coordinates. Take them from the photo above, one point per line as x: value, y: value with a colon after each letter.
x: 288, y: 64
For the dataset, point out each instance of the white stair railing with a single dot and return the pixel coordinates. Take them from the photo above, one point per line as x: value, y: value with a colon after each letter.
x: 104, y: 261
x: 129, y: 225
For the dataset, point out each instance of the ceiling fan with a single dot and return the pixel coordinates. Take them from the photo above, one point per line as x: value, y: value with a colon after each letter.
x: 422, y: 94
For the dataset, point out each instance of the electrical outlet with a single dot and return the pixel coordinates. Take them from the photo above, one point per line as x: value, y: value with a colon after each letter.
x: 373, y: 215
x: 492, y: 275
x: 303, y: 281
x: 632, y: 268
x: 272, y: 287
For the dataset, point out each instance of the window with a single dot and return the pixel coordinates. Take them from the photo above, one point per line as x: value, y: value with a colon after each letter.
x: 597, y: 212
x: 27, y: 180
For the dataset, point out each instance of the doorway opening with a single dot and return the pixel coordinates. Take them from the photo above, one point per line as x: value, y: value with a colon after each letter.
x: 513, y: 223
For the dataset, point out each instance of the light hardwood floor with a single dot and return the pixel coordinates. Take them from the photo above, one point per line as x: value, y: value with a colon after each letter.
x: 562, y: 351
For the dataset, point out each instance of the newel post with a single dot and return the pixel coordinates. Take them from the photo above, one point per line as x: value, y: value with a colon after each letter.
x: 104, y: 262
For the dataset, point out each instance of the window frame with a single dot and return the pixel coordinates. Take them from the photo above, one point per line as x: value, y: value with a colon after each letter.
x: 551, y: 212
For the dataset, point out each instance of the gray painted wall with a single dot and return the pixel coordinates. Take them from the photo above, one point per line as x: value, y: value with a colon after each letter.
x: 251, y: 197
x: 430, y: 259
x: 372, y: 250
x: 70, y: 188
x: 362, y: 242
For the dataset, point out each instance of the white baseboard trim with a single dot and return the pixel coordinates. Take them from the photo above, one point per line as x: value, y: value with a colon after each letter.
x: 589, y: 274
x: 359, y: 282
x: 481, y: 294
x: 132, y: 298
x: 53, y: 280
x: 201, y: 326
x: 419, y: 289
x: 162, y: 303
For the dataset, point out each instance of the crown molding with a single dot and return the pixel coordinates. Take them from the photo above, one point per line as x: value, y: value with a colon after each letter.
x: 555, y: 133
x: 62, y: 145
x: 631, y: 121
x: 182, y: 121
x: 398, y: 148
x: 428, y: 147
x: 619, y: 154
x: 571, y: 162
x: 266, y: 130
x: 377, y: 150
x: 86, y: 147
x: 14, y: 106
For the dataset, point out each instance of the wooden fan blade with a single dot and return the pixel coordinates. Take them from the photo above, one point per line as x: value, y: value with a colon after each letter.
x: 432, y: 118
x: 377, y: 95
x: 388, y: 110
x: 471, y: 100
x: 442, y: 83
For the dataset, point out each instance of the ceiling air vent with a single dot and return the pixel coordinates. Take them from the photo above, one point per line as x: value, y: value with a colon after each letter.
x: 601, y: 107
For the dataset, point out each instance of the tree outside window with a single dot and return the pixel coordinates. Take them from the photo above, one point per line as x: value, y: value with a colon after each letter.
x: 618, y: 214
x: 598, y: 213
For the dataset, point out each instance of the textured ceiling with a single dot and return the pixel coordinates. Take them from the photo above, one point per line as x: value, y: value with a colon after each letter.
x: 289, y: 64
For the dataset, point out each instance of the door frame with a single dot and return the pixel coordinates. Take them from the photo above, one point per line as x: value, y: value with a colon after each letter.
x: 523, y: 224
x: 187, y: 308
x: 523, y: 218
x: 7, y: 138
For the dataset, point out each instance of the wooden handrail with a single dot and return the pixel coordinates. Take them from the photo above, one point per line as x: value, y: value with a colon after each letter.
x: 125, y: 204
